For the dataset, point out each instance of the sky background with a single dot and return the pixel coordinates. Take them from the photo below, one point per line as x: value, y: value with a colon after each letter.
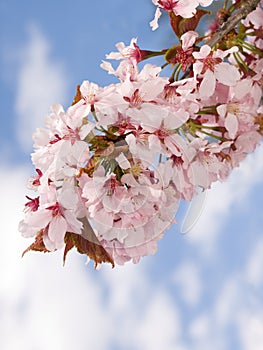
x: 202, y: 290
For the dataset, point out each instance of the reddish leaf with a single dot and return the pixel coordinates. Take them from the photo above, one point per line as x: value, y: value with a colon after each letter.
x: 38, y: 245
x: 182, y: 25
x: 174, y: 21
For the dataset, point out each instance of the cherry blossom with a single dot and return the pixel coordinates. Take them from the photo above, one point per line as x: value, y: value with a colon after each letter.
x: 112, y: 168
x: 183, y: 8
x: 211, y: 68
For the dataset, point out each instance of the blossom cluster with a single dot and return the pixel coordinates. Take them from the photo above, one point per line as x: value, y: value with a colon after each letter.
x: 113, y: 167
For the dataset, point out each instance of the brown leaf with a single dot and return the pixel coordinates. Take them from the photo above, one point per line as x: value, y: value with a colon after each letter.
x: 78, y: 96
x: 69, y: 245
x: 174, y: 21
x: 92, y: 165
x: 88, y: 244
x: 38, y: 245
x: 182, y: 25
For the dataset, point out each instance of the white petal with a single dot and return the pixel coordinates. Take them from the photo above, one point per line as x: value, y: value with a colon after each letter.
x: 221, y: 110
x: 227, y: 74
x: 73, y: 222
x: 231, y: 124
x: 188, y: 39
x: 40, y: 218
x: 154, y: 23
x: 207, y: 87
x: 123, y: 161
x: 57, y: 229
x: 204, y: 51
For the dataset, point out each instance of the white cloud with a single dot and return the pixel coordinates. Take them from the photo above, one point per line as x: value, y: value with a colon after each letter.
x: 188, y: 280
x: 200, y: 328
x: 41, y: 82
x: 221, y: 198
x: 146, y: 315
x: 251, y: 330
x: 205, y: 334
x: 238, y: 307
x: 160, y: 325
x: 254, y: 270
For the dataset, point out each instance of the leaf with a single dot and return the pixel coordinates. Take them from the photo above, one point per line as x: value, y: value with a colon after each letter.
x: 88, y: 244
x: 182, y: 25
x: 78, y: 96
x: 69, y: 245
x: 38, y: 245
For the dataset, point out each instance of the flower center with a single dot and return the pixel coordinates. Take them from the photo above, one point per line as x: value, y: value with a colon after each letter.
x: 111, y: 185
x: 210, y: 62
x: 56, y: 210
x: 162, y: 133
x: 90, y: 98
x: 168, y: 5
x: 135, y: 100
x: 33, y: 204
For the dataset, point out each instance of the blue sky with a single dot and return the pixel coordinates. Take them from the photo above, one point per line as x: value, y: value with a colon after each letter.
x: 201, y: 291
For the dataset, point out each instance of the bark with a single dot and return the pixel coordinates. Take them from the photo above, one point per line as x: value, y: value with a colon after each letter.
x: 232, y: 21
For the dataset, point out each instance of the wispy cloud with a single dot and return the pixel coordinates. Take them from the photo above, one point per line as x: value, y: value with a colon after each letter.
x: 236, y: 311
x: 41, y: 82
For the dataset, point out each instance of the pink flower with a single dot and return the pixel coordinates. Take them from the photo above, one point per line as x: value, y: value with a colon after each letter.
x: 54, y: 219
x: 211, y: 68
x: 245, y: 143
x: 207, y: 166
x: 139, y: 98
x: 251, y: 85
x: 122, y: 156
x: 127, y: 69
x: 131, y: 52
x: 130, y: 215
x: 164, y: 132
x: 183, y: 8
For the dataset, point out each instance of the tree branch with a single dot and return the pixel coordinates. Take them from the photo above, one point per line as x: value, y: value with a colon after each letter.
x: 232, y: 21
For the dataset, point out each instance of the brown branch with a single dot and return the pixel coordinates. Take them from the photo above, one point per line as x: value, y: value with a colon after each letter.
x: 232, y: 21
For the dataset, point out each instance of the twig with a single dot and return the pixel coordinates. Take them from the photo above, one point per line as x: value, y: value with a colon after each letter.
x: 232, y: 21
